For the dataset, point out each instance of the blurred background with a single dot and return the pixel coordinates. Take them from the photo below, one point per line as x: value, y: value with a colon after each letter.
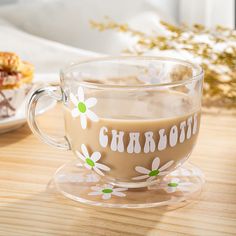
x: 67, y: 22
x: 54, y: 33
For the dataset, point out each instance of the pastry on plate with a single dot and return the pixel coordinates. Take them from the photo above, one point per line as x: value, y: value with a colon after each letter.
x: 15, y: 82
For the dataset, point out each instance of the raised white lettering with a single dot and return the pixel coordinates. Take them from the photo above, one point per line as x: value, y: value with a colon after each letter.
x: 117, y: 143
x: 195, y: 123
x: 103, y: 138
x: 134, y: 145
x: 163, y: 140
x: 149, y: 145
x: 173, y: 136
x: 182, y: 131
x: 189, y: 124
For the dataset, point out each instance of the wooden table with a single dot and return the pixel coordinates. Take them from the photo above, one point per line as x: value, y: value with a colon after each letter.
x: 29, y: 207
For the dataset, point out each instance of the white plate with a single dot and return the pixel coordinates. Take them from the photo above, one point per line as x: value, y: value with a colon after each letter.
x: 44, y: 105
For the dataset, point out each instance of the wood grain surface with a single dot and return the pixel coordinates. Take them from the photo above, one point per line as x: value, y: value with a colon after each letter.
x: 30, y: 205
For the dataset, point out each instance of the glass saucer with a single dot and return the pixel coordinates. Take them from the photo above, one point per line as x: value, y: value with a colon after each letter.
x: 82, y: 185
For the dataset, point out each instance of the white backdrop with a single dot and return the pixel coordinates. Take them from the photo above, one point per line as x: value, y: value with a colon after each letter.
x: 208, y: 12
x: 67, y: 22
x: 52, y: 33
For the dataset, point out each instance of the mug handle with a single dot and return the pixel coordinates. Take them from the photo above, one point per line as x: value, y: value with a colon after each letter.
x: 55, y: 93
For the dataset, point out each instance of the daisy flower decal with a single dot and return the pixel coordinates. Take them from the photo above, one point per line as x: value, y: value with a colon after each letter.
x: 82, y: 107
x: 191, y: 88
x: 79, y: 178
x: 92, y: 178
x: 175, y: 184
x: 107, y: 190
x: 154, y: 74
x: 155, y: 171
x: 90, y: 162
x: 187, y: 173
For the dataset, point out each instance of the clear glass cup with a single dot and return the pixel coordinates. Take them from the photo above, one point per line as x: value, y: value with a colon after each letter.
x: 131, y: 120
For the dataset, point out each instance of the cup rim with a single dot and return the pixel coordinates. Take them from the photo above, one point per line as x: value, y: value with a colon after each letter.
x: 197, y: 76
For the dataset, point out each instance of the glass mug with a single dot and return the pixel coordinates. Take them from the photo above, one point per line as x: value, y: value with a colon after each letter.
x: 131, y: 120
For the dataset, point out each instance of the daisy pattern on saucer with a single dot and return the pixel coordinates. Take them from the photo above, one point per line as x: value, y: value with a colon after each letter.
x: 175, y: 184
x: 82, y: 107
x: 107, y: 190
x: 92, y: 178
x: 79, y: 178
x: 155, y: 171
x: 91, y: 162
x: 186, y: 172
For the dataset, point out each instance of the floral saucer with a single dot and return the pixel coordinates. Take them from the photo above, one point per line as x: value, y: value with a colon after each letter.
x: 82, y: 185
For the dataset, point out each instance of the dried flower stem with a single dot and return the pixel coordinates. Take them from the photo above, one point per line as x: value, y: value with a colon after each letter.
x: 219, y: 64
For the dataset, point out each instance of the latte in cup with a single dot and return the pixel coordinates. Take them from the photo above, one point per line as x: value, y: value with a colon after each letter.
x: 129, y: 137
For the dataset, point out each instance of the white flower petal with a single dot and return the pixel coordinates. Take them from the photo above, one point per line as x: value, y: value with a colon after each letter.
x: 119, y: 194
x: 142, y: 78
x: 90, y: 102
x: 167, y: 165
x: 102, y: 167
x: 160, y: 186
x: 98, y: 171
x: 96, y: 156
x: 88, y: 166
x: 97, y: 188
x: 191, y: 87
x: 151, y: 178
x: 140, y: 177
x: 150, y: 68
x: 163, y: 173
x: 183, y: 189
x: 74, y: 99
x: 83, y: 121
x: 185, y: 184
x: 170, y: 189
x: 142, y: 170
x: 80, y: 155
x: 79, y: 179
x: 81, y: 94
x: 84, y: 151
x: 110, y: 186
x: 95, y: 193
x: 155, y: 163
x: 174, y: 180
x: 92, y: 178
x: 120, y: 189
x: 180, y: 172
x: 106, y: 196
x: 75, y: 112
x: 92, y: 116
x: 153, y: 74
